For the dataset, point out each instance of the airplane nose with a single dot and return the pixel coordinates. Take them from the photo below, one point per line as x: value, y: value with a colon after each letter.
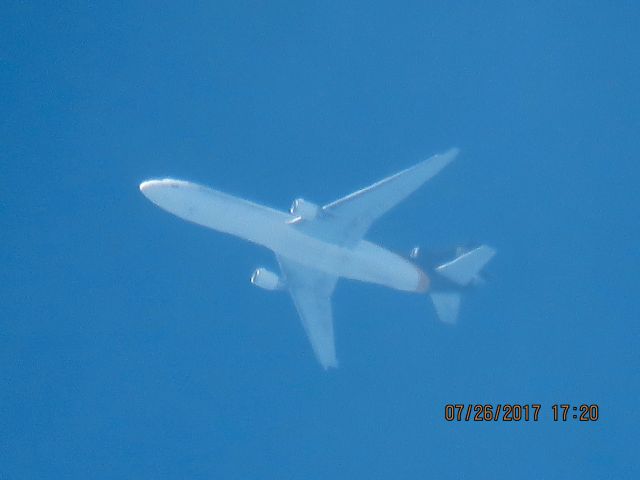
x: 151, y: 190
x: 147, y: 184
x: 159, y: 190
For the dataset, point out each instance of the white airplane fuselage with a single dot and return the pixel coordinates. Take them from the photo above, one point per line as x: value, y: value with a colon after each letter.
x: 365, y: 261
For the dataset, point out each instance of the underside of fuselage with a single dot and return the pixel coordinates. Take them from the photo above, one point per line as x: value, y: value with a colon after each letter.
x: 363, y: 261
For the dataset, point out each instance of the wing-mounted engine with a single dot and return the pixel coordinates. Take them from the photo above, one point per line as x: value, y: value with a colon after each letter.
x: 300, y: 208
x: 263, y: 278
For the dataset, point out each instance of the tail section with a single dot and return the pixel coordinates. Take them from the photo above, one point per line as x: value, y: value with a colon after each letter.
x: 465, y: 269
x: 447, y: 305
x: 462, y: 271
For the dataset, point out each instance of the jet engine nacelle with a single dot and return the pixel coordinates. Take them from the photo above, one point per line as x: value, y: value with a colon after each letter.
x: 305, y: 210
x: 263, y: 278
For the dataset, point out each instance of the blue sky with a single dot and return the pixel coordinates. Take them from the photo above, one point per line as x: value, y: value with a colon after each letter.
x: 132, y: 344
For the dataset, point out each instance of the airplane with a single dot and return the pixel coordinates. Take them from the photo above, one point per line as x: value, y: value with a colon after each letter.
x: 315, y: 246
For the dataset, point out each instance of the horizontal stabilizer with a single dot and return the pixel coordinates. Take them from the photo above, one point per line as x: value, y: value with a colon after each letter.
x: 465, y: 268
x: 447, y: 305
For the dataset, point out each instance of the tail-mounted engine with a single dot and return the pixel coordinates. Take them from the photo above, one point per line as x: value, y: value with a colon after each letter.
x: 263, y: 278
x: 303, y: 209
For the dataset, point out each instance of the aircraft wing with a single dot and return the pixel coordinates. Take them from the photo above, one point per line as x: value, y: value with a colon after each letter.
x: 348, y: 219
x: 311, y: 292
